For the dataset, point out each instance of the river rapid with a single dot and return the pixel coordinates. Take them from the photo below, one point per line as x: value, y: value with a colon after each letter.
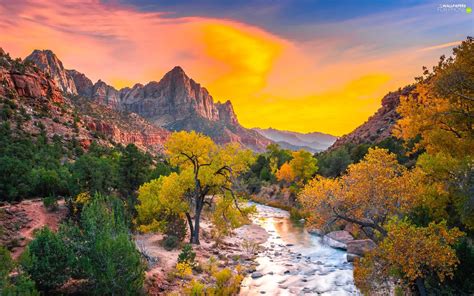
x: 295, y: 262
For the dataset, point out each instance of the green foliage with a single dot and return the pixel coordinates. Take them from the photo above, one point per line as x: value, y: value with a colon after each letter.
x: 51, y: 203
x: 6, y: 266
x: 133, y: 170
x: 187, y: 255
x: 47, y: 260
x: 94, y: 173
x: 112, y: 264
x: 170, y: 242
x: 20, y: 284
x: 161, y: 169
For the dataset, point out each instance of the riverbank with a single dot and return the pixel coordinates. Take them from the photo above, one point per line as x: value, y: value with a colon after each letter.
x: 238, y: 251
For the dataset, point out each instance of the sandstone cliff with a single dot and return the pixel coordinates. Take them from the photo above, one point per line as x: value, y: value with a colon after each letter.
x: 41, y: 105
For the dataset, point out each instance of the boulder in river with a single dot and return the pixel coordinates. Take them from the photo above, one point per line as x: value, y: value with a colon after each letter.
x: 256, y: 275
x: 338, y: 239
x: 360, y: 246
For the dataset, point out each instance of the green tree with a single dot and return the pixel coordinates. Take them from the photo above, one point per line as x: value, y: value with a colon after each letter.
x: 133, y: 170
x: 94, y: 174
x: 47, y: 260
x: 112, y: 263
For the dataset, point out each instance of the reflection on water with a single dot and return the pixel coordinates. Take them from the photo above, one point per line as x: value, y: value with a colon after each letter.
x: 295, y: 262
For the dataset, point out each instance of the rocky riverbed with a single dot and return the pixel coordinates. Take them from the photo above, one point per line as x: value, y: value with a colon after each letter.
x: 295, y: 262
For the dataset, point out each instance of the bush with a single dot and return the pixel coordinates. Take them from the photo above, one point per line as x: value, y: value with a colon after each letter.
x: 170, y: 242
x: 195, y: 288
x: 6, y: 266
x: 187, y: 255
x: 113, y: 264
x: 50, y: 203
x: 47, y: 260
x: 175, y: 226
x: 183, y: 270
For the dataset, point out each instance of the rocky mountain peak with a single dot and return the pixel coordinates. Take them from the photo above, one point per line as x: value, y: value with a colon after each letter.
x: 47, y: 61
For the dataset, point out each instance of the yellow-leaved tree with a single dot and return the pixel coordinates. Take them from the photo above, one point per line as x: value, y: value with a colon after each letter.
x: 440, y: 113
x: 206, y: 174
x: 370, y: 193
x: 299, y: 169
x: 410, y: 252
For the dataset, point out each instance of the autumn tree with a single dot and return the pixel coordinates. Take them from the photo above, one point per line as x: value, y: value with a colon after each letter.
x: 285, y: 173
x: 299, y: 169
x: 441, y: 113
x: 205, y: 172
x: 410, y: 253
x: 441, y: 109
x: 370, y: 193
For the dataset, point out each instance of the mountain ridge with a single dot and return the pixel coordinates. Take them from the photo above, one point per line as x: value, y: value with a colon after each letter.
x: 313, y: 141
x: 175, y: 102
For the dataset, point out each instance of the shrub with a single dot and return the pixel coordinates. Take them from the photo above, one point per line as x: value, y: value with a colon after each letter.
x: 47, y: 260
x: 187, y: 255
x: 183, y: 270
x: 5, y: 267
x: 170, y: 242
x: 113, y: 263
x: 227, y: 283
x: 195, y: 288
x: 50, y: 203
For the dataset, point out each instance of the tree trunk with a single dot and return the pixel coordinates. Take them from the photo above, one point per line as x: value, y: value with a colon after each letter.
x: 191, y: 228
x: 197, y: 219
x: 420, y: 285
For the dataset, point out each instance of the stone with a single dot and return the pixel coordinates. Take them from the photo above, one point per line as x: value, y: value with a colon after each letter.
x: 351, y: 257
x: 360, y: 247
x: 256, y: 275
x: 338, y: 239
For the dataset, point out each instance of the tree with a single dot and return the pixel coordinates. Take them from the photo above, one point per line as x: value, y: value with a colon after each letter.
x: 303, y: 165
x: 368, y: 195
x: 441, y: 110
x: 133, y: 170
x: 112, y: 263
x: 334, y: 163
x: 206, y: 170
x: 47, y: 260
x: 410, y: 252
x: 91, y: 173
x: 286, y: 173
x: 277, y: 156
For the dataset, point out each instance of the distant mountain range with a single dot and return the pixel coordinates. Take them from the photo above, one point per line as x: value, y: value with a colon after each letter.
x: 313, y: 142
x: 176, y: 102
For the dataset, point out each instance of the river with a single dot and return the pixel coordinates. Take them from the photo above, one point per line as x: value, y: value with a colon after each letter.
x: 295, y: 262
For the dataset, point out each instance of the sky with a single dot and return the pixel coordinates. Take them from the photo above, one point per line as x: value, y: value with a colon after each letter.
x: 300, y: 65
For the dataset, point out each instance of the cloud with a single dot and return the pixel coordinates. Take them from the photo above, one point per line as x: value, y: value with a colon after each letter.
x: 441, y: 46
x: 330, y: 82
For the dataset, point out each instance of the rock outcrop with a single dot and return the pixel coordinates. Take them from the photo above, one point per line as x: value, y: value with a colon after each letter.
x: 380, y: 125
x: 83, y: 121
x: 47, y: 61
x: 176, y: 102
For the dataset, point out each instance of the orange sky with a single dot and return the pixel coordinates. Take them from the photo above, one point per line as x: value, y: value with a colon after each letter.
x: 305, y: 86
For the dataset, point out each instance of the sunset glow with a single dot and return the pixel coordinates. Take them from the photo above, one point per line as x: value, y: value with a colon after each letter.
x: 324, y: 75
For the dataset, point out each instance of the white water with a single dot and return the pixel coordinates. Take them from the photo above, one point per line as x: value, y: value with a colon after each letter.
x: 295, y: 262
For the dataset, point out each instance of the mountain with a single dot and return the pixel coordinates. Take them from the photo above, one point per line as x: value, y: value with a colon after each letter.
x: 380, y: 125
x: 313, y: 142
x: 39, y: 104
x: 176, y: 102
